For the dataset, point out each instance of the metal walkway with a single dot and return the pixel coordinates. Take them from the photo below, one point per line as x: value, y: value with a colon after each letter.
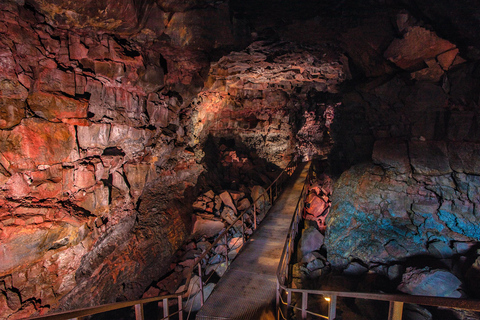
x: 249, y: 285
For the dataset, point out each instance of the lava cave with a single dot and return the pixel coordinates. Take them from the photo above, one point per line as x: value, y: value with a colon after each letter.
x: 132, y: 131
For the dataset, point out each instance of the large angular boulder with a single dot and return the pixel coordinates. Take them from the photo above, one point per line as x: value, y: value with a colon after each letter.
x: 426, y: 282
x: 416, y: 46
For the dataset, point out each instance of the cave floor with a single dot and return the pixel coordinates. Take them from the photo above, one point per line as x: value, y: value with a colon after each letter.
x: 249, y: 285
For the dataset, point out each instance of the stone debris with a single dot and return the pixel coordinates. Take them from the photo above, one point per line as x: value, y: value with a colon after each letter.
x: 208, y: 224
x: 426, y: 282
x: 317, y: 204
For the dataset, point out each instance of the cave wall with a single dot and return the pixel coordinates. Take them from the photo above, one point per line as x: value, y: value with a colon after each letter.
x: 264, y: 97
x: 408, y: 154
x: 94, y: 161
x: 105, y: 108
x: 417, y: 199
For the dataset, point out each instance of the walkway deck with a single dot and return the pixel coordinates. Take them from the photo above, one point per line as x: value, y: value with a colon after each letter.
x: 249, y: 285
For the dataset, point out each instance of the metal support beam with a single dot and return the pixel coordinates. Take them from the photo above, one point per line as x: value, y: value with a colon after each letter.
x: 254, y: 216
x: 277, y: 296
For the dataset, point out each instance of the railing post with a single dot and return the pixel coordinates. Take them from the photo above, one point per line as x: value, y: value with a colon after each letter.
x: 139, y: 311
x: 243, y: 227
x: 201, y: 281
x: 180, y: 307
x: 304, y: 304
x: 289, y: 302
x: 395, y: 310
x: 277, y: 296
x: 165, y: 309
x: 264, y: 205
x: 255, y: 216
x: 226, y: 250
x: 332, y: 308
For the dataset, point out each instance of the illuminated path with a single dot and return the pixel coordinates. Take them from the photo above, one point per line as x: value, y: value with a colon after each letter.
x: 249, y: 284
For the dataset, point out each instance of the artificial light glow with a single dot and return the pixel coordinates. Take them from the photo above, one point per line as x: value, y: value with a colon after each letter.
x: 327, y: 299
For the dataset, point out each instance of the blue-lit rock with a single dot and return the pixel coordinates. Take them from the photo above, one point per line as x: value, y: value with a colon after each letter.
x: 380, y: 214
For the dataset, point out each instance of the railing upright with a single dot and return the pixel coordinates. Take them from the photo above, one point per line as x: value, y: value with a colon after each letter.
x: 165, y: 309
x: 180, y: 307
x: 332, y: 307
x: 139, y: 311
x: 395, y: 310
x: 201, y: 281
x: 304, y: 305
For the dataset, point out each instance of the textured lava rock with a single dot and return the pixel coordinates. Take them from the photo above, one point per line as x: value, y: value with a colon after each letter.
x: 417, y: 45
x: 426, y: 282
x: 77, y: 153
x: 380, y: 214
x: 258, y: 89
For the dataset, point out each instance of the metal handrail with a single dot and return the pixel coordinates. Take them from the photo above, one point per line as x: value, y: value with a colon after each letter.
x: 272, y: 190
x: 396, y: 300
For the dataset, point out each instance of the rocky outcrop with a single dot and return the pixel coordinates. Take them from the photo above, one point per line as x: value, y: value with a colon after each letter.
x: 405, y: 205
x: 257, y: 97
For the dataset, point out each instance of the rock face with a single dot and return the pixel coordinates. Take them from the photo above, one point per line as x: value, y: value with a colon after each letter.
x: 93, y: 162
x: 258, y: 98
x: 405, y: 205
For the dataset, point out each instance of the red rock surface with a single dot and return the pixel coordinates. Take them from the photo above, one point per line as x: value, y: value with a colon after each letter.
x: 77, y: 154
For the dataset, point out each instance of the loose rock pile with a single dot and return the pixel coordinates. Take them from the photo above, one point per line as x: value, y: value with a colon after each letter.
x: 214, y: 212
x: 317, y: 204
x: 312, y: 260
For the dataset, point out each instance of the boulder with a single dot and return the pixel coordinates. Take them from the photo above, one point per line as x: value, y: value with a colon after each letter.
x: 315, y: 264
x: 390, y: 153
x: 315, y: 205
x: 228, y: 215
x: 416, y: 312
x: 235, y: 243
x: 194, y: 301
x: 243, y: 204
x: 207, y: 228
x: 426, y: 282
x: 440, y: 249
x: 355, y: 269
x: 311, y: 240
x: 416, y: 46
x: 219, y: 269
x: 228, y: 201
x: 429, y: 157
